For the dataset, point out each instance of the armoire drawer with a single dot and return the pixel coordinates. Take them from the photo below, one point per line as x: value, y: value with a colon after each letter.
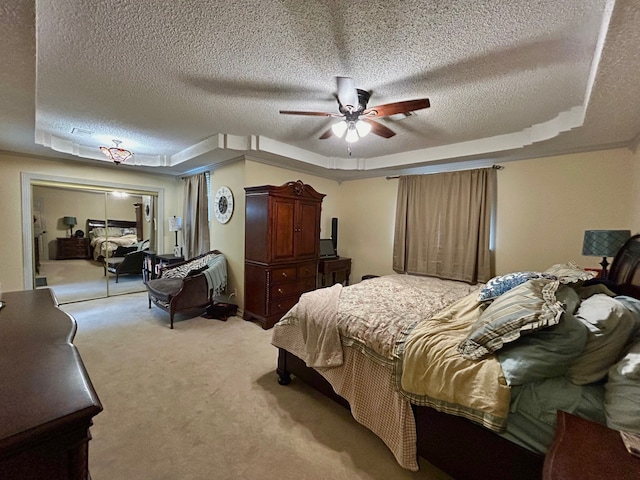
x: 294, y: 288
x: 280, y: 306
x: 279, y: 275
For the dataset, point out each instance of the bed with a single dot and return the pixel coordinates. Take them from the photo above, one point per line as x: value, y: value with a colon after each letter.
x: 105, y: 238
x: 451, y: 375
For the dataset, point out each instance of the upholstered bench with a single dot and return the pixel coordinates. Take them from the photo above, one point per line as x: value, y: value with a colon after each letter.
x: 189, y: 285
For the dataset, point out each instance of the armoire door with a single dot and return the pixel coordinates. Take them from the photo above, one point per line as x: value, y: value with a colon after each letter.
x: 307, y: 229
x: 283, y: 229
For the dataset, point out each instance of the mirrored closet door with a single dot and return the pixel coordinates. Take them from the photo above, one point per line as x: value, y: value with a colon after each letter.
x: 89, y: 242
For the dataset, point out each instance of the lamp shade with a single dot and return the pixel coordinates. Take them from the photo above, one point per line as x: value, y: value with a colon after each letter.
x: 175, y: 224
x: 604, y: 243
x: 71, y: 221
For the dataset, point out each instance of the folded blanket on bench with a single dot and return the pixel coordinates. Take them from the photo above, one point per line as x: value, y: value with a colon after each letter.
x: 216, y: 274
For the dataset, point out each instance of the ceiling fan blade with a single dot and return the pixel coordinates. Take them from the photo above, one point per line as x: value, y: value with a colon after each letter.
x: 315, y: 114
x: 347, y: 93
x: 379, y: 129
x: 326, y: 134
x: 398, y: 107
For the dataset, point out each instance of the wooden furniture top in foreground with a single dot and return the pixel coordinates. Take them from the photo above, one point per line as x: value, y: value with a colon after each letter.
x: 46, y: 400
x: 586, y: 450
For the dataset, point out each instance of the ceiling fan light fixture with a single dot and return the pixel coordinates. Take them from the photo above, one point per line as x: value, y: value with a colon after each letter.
x: 352, y: 133
x: 339, y: 128
x: 116, y: 154
x: 363, y: 128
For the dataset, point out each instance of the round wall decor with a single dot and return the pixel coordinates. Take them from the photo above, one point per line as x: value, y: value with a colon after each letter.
x: 223, y: 204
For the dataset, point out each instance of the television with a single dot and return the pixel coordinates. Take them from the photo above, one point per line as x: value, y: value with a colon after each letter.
x: 326, y: 248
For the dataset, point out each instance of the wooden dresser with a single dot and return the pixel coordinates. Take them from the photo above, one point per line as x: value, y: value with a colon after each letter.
x: 47, y: 401
x: 73, y: 247
x: 282, y: 235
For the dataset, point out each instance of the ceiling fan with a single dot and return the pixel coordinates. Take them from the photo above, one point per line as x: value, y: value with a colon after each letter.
x: 356, y: 119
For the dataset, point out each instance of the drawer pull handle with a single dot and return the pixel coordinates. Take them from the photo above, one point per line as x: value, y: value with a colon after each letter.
x: 284, y: 274
x: 280, y: 290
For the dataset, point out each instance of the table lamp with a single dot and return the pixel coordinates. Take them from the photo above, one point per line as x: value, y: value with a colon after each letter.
x: 604, y: 243
x: 71, y: 222
x: 175, y: 225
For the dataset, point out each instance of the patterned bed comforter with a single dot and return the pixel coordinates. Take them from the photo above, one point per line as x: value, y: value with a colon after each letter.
x: 371, y: 318
x: 371, y: 314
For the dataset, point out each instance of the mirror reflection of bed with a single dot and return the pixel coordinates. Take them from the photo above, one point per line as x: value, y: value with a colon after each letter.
x: 115, y: 243
x: 80, y: 279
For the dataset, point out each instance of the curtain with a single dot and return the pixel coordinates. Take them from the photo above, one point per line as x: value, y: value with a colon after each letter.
x: 443, y: 225
x: 195, y: 223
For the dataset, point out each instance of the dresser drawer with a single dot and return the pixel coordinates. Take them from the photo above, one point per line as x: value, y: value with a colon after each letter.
x: 279, y: 275
x: 294, y: 288
x: 280, y: 306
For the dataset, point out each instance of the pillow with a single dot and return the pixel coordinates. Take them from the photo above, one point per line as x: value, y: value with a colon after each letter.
x: 114, y: 231
x: 98, y: 232
x: 503, y: 283
x: 610, y: 325
x: 547, y: 352
x: 523, y: 309
x: 128, y: 230
x: 570, y: 273
x: 622, y: 392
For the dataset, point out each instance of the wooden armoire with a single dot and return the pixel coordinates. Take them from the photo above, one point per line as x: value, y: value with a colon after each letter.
x: 282, y: 235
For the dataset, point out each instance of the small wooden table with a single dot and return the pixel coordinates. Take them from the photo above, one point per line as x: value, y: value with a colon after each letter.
x: 586, y: 450
x: 339, y: 270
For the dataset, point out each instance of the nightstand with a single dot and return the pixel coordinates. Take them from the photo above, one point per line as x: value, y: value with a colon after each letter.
x: 586, y: 450
x: 67, y: 248
x: 152, y: 263
x: 334, y: 270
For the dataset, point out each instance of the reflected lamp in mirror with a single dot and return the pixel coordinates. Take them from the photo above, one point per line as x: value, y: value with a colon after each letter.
x: 604, y: 243
x: 70, y: 222
x: 175, y: 225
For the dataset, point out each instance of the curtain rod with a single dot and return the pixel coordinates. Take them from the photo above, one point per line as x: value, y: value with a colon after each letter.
x: 495, y: 167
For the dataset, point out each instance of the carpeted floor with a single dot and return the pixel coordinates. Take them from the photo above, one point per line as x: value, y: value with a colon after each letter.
x: 78, y: 280
x: 202, y: 402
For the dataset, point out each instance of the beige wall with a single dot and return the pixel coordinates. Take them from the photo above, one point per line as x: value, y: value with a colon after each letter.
x: 367, y: 217
x: 11, y: 167
x: 544, y: 205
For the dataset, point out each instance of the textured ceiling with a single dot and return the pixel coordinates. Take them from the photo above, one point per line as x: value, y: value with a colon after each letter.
x: 187, y: 84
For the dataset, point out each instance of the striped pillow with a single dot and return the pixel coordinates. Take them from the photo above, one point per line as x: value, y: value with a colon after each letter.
x: 570, y: 273
x: 523, y: 309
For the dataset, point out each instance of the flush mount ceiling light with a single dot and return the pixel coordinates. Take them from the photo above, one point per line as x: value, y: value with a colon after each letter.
x: 116, y: 154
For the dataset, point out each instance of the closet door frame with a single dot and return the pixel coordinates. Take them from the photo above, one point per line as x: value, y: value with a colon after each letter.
x: 28, y: 179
